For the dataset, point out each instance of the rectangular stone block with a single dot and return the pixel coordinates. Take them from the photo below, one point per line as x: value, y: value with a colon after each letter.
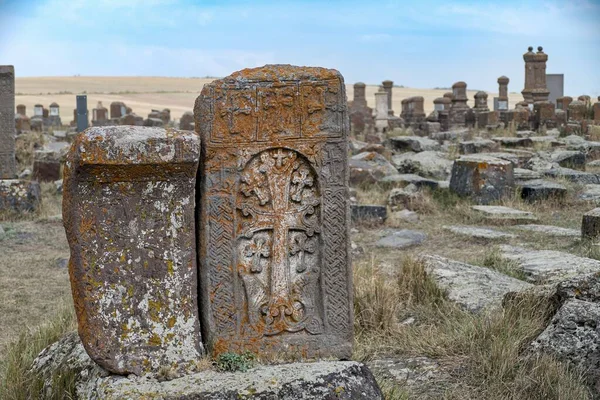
x: 128, y: 211
x: 8, y: 166
x: 273, y: 245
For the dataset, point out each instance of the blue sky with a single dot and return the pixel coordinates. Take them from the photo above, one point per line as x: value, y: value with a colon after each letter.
x: 421, y: 44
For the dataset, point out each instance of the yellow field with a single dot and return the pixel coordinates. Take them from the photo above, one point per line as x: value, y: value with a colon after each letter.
x: 143, y: 94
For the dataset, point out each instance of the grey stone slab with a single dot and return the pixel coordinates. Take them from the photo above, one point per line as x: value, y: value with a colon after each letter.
x: 483, y: 178
x: 474, y: 288
x: 401, y: 239
x: 573, y: 175
x: 369, y: 167
x: 368, y: 213
x: 505, y: 214
x: 414, y: 143
x: 522, y: 174
x: 591, y: 193
x: 433, y: 164
x: 550, y: 230
x: 417, y: 180
x: 549, y: 266
x: 539, y: 189
x: 479, y: 232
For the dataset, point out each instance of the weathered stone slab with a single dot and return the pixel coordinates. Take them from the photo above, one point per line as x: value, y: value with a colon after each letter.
x: 368, y: 213
x: 472, y: 287
x: 128, y: 212
x: 414, y: 143
x: 406, y: 179
x: 590, y: 224
x: 522, y: 174
x: 478, y: 232
x: 432, y: 164
x: 400, y: 239
x: 591, y: 193
x: 483, y: 178
x: 549, y: 266
x: 505, y: 214
x: 478, y: 145
x: 572, y: 175
x: 550, y: 230
x: 275, y: 266
x: 368, y: 168
x: 345, y: 380
x: 19, y: 195
x: 538, y: 190
x: 8, y: 168
x: 46, y: 166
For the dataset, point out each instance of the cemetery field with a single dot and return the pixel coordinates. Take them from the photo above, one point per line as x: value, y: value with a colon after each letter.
x: 143, y: 94
x: 400, y: 313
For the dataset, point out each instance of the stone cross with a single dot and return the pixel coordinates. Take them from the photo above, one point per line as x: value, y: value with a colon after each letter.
x: 273, y: 227
x: 8, y: 168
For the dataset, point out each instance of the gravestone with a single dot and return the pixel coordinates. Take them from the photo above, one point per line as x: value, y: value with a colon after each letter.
x: 82, y: 113
x: 186, y: 123
x: 596, y: 109
x: 361, y: 115
x: 388, y: 87
x: 381, y: 111
x: 535, y: 76
x: 273, y: 237
x: 128, y: 211
x: 459, y: 108
x: 8, y: 166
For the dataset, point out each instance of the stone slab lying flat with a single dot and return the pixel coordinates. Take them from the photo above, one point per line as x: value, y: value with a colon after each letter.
x: 505, y: 214
x: 472, y: 287
x: 574, y: 175
x: 401, y: 239
x: 550, y: 230
x: 478, y: 232
x: 549, y: 266
x: 308, y: 381
x: 406, y: 179
x: 591, y: 193
x: 538, y: 190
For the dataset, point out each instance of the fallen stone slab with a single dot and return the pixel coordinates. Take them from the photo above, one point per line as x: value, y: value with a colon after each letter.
x: 472, y: 287
x: 569, y: 159
x: 432, y: 164
x: 477, y: 146
x: 308, y: 381
x: 401, y: 239
x: 549, y: 266
x: 478, y: 232
x: 538, y: 190
x: 414, y: 143
x: 591, y: 193
x: 550, y: 230
x: 505, y: 214
x: 483, y: 178
x: 368, y: 168
x: 374, y: 214
x: 514, y: 141
x: 405, y: 179
x: 573, y: 175
x: 573, y: 336
x: 522, y: 174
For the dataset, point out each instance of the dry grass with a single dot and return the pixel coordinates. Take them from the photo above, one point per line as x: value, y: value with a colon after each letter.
x: 486, y: 350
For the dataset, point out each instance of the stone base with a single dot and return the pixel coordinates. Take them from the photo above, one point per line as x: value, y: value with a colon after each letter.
x: 18, y: 195
x: 320, y: 380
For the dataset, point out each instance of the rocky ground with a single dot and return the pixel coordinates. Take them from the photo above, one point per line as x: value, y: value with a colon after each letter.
x: 455, y: 296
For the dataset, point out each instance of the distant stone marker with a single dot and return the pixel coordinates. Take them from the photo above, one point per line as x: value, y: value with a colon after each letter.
x: 128, y: 211
x: 7, y: 122
x: 275, y: 274
x: 82, y: 113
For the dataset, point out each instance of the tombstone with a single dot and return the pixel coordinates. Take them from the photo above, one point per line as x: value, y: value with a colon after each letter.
x: 544, y: 114
x: 361, y: 115
x: 482, y: 177
x: 165, y: 115
x: 38, y: 110
x: 562, y: 103
x: 596, y: 109
x: 100, y: 115
x: 439, y: 104
x: 388, y: 86
x: 502, y: 94
x: 584, y: 98
x: 156, y: 122
x: 481, y: 104
x: 381, y: 111
x: 128, y: 211
x: 22, y: 109
x: 556, y: 86
x: 535, y: 76
x: 8, y: 167
x: 459, y: 107
x: 81, y: 115
x: 131, y: 119
x: 577, y: 111
x: 275, y: 266
x: 22, y: 123
x: 186, y: 123
x: 590, y: 224
x: 117, y: 109
x: 54, y: 115
x: 449, y: 96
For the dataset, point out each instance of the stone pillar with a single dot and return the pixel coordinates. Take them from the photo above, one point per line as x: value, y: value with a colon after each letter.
x: 597, y: 111
x: 117, y: 109
x: 8, y: 167
x: 21, y: 109
x: 381, y: 111
x: 459, y: 108
x: 577, y: 111
x: 535, y: 76
x: 360, y: 98
x: 449, y: 96
x: 387, y: 86
x: 584, y: 98
x: 275, y: 267
x: 544, y: 114
x: 481, y: 102
x: 503, y: 93
x: 439, y: 104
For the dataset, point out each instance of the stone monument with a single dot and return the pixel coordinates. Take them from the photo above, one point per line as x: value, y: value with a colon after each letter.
x: 273, y: 231
x: 361, y: 115
x: 535, y: 76
x: 388, y: 86
x: 8, y: 168
x: 128, y: 211
x: 459, y: 107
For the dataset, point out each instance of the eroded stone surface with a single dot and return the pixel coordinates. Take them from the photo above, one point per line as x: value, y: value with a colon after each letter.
x: 8, y: 168
x: 474, y: 288
x: 482, y: 177
x: 550, y: 230
x: 275, y: 273
x: 401, y: 238
x: 129, y: 216
x: 478, y: 232
x: 19, y: 195
x: 505, y: 214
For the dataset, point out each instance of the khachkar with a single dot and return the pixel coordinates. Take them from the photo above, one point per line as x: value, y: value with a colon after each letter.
x: 535, y: 76
x: 128, y: 211
x: 7, y: 122
x: 273, y: 241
